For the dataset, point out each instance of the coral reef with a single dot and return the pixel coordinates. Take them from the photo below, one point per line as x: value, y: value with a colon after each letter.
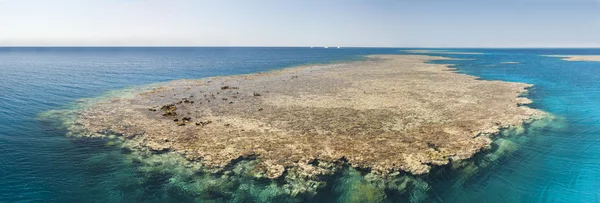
x: 577, y: 57
x: 392, y: 115
x: 439, y: 52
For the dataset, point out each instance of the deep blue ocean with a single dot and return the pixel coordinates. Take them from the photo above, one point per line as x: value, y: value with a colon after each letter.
x: 38, y: 163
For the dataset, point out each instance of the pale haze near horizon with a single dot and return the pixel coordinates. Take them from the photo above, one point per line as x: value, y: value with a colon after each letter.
x: 378, y: 23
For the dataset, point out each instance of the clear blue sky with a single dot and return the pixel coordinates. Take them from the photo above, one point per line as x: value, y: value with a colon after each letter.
x: 392, y: 23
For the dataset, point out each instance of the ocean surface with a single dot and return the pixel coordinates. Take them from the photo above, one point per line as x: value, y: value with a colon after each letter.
x: 39, y: 163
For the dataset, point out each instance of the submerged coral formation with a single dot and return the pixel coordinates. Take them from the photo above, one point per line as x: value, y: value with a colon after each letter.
x: 392, y: 115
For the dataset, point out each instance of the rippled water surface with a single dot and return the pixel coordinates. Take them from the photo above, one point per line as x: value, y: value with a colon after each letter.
x: 38, y: 163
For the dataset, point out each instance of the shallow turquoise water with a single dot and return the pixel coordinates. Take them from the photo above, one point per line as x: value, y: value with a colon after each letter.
x: 560, y: 165
x: 40, y: 164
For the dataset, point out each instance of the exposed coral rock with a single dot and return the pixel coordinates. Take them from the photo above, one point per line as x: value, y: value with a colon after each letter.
x: 156, y: 146
x: 389, y: 114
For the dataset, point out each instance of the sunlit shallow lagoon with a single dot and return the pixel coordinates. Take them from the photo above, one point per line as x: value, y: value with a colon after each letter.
x: 555, y: 161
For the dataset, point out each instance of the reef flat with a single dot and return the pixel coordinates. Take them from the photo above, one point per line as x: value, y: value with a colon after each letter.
x: 388, y: 114
x: 439, y: 52
x: 577, y: 57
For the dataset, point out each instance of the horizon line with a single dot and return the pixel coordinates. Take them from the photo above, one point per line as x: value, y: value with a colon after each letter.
x: 252, y: 46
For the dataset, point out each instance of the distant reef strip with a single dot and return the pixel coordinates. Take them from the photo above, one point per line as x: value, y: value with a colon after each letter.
x: 577, y: 57
x: 440, y: 52
x: 390, y: 116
